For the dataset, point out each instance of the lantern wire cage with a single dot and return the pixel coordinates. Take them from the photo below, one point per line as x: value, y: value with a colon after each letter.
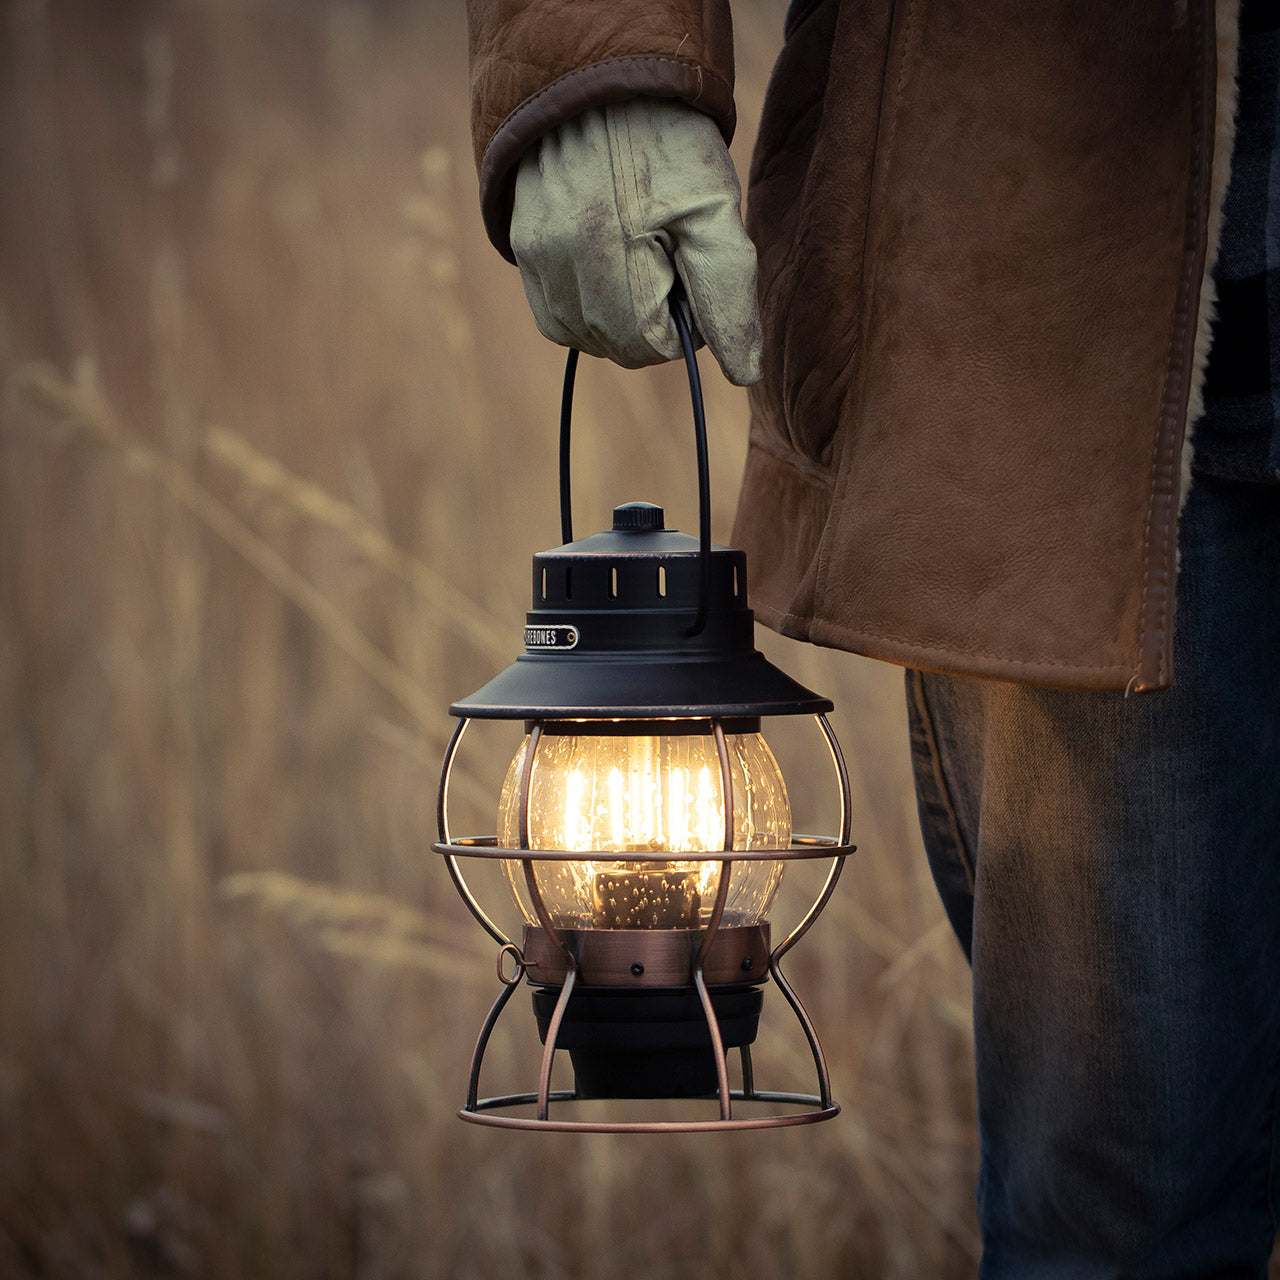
x: 553, y: 955
x: 818, y: 1106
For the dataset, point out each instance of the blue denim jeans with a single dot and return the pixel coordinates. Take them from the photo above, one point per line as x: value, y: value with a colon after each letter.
x: 1111, y: 866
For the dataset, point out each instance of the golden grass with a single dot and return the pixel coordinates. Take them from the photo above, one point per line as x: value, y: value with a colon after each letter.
x: 277, y: 443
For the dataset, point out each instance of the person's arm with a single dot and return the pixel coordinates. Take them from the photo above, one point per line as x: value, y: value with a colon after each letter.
x: 600, y: 132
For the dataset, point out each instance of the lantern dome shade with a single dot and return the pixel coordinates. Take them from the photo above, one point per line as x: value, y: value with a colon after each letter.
x: 639, y: 687
x: 610, y: 635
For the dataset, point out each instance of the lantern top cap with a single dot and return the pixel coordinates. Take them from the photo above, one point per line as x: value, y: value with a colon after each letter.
x: 608, y: 638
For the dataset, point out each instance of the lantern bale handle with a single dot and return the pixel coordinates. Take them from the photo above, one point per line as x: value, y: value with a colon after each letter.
x: 674, y: 301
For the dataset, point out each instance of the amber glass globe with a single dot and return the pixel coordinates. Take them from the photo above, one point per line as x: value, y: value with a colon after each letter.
x: 612, y: 794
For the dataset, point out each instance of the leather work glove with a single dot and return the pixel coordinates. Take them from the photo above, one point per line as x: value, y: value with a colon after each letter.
x: 608, y: 207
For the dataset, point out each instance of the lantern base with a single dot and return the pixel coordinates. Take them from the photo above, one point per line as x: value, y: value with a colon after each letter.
x: 647, y: 1043
x: 628, y: 959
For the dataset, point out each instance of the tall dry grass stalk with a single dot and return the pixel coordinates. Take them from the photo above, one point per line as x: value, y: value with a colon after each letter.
x: 277, y: 443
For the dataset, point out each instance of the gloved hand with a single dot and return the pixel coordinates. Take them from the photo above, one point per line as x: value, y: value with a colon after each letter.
x: 608, y: 207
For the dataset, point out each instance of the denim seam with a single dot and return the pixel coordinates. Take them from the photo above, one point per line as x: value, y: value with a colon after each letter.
x: 940, y: 775
x: 1271, y: 1150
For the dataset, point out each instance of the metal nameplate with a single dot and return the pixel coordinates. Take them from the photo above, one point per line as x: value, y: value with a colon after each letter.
x: 550, y: 637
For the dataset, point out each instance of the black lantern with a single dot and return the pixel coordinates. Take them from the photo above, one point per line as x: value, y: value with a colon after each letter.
x: 644, y: 824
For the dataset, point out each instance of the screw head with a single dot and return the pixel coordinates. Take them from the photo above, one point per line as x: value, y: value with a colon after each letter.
x: 748, y: 964
x: 637, y: 968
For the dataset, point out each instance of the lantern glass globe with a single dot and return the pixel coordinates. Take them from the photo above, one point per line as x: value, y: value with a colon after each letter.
x: 604, y: 792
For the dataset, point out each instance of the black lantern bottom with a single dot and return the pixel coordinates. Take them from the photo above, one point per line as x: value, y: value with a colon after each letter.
x: 647, y: 1043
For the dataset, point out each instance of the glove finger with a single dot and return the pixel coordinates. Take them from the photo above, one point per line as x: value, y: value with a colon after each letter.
x: 624, y: 303
x: 651, y: 271
x: 673, y: 174
x: 717, y: 263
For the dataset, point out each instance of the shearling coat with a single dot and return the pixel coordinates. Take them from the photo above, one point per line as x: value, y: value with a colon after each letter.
x: 984, y: 235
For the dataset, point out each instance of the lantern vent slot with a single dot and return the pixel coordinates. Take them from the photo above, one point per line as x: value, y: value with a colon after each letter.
x: 662, y: 581
x: 544, y: 584
x: 613, y: 582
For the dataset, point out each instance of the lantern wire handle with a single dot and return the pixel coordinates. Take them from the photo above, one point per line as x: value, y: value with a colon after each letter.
x: 674, y: 300
x: 676, y: 297
x: 566, y: 413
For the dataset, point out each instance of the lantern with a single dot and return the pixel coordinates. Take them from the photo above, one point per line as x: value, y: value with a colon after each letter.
x: 644, y: 824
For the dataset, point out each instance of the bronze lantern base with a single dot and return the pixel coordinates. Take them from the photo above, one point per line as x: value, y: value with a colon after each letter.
x: 635, y: 1026
x: 647, y: 1014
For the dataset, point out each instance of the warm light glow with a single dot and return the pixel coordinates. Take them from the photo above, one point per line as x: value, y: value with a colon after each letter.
x: 618, y: 793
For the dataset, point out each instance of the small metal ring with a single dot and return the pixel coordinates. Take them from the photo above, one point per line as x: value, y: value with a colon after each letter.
x: 510, y: 949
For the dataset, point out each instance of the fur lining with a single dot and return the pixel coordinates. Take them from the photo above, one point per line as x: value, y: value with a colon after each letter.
x: 1227, y: 24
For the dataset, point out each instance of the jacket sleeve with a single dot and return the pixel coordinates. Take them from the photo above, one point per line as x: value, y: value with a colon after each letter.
x: 536, y: 63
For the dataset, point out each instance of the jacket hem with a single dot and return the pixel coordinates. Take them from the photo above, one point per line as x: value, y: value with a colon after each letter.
x: 785, y: 604
x: 1051, y: 673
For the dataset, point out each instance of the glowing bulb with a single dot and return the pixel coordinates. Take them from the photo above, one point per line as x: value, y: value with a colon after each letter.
x: 593, y: 789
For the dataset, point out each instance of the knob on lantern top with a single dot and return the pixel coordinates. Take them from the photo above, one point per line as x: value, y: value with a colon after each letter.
x: 642, y: 517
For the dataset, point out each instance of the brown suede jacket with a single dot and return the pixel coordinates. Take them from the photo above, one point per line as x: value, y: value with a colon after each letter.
x: 984, y: 235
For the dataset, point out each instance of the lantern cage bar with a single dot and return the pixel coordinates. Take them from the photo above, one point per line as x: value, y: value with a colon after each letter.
x: 564, y: 954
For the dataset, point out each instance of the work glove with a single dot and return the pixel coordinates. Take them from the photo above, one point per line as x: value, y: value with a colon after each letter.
x: 609, y: 207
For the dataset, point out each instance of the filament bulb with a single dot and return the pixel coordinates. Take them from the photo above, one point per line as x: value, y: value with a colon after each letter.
x: 594, y: 790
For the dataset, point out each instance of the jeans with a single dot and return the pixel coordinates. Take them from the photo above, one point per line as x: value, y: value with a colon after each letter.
x: 1111, y: 867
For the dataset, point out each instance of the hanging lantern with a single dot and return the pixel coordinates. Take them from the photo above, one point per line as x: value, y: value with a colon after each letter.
x: 644, y: 825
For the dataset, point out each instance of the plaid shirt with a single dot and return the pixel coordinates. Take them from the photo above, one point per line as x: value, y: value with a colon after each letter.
x: 1238, y: 438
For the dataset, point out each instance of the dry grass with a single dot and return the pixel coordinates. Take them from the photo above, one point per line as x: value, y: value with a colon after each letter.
x: 277, y: 442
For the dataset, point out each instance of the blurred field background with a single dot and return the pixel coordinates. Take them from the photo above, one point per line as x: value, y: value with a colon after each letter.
x: 277, y: 441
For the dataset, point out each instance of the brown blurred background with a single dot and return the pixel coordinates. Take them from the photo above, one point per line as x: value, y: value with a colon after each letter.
x: 277, y: 441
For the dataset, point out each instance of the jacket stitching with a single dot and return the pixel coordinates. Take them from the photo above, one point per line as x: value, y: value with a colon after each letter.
x: 1163, y: 469
x: 634, y: 264
x: 902, y: 80
x: 644, y: 262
